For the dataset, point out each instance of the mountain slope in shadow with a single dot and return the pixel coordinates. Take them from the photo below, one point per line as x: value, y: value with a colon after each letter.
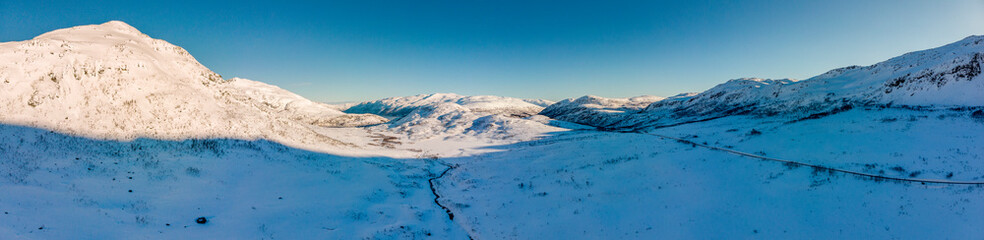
x: 59, y: 186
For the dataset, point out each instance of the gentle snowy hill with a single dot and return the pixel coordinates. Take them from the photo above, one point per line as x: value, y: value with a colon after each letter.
x: 111, y: 81
x: 450, y: 119
x: 452, y: 115
x: 597, y: 111
x: 273, y: 99
x: 401, y: 106
x: 540, y: 102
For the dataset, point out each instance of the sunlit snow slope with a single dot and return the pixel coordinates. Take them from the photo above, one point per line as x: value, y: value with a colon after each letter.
x: 111, y: 81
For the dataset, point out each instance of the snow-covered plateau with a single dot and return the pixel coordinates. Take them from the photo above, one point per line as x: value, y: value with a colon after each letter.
x: 107, y: 133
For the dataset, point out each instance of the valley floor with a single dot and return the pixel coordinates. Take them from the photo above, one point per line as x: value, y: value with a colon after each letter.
x: 576, y: 184
x: 636, y: 186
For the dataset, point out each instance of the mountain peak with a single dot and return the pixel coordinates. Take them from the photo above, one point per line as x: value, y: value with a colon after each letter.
x: 111, y: 81
x: 119, y: 25
x: 111, y: 29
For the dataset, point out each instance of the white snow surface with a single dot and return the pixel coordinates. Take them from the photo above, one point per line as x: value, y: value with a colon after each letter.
x: 58, y: 186
x: 591, y: 185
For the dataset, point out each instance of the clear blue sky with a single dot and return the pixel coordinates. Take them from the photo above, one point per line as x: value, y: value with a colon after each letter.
x: 363, y: 50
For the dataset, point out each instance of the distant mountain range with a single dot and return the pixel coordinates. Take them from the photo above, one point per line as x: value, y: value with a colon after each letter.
x: 947, y: 76
x: 110, y: 80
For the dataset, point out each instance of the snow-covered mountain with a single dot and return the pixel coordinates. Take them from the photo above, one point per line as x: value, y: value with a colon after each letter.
x: 450, y: 119
x: 112, y: 81
x: 447, y: 114
x: 947, y: 76
x: 273, y: 99
x: 540, y: 102
x: 401, y: 106
x: 597, y: 111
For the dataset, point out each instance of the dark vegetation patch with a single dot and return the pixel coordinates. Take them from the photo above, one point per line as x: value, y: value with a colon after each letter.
x: 620, y: 160
x: 979, y: 114
x: 842, y: 108
x: 754, y: 132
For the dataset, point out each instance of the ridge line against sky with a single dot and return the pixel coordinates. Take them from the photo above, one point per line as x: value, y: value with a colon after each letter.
x: 366, y: 50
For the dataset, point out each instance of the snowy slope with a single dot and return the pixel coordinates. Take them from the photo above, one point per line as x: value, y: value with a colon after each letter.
x: 269, y: 98
x: 427, y: 121
x: 540, y: 102
x: 57, y: 186
x: 947, y: 76
x: 400, y: 106
x: 590, y: 185
x: 111, y: 81
x: 453, y: 120
x: 597, y: 111
x: 489, y: 118
x: 936, y: 144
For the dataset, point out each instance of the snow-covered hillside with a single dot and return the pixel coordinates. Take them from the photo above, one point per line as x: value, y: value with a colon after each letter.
x: 947, y: 76
x: 447, y: 119
x: 111, y: 81
x: 451, y: 115
x: 597, y: 111
x: 540, y: 102
x: 57, y: 186
x: 401, y: 106
x: 269, y: 98
x: 591, y: 185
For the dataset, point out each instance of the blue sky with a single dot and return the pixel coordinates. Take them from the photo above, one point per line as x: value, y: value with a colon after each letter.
x: 362, y: 50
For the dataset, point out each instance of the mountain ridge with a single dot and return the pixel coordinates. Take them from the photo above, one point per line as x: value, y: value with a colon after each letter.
x: 945, y: 76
